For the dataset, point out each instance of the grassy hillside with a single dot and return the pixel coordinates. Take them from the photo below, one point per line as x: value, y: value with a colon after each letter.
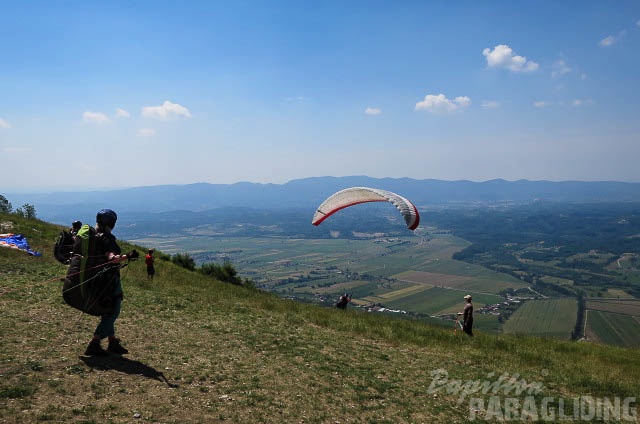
x: 204, y: 351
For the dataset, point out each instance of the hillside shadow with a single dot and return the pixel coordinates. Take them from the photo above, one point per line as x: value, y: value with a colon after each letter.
x: 125, y: 365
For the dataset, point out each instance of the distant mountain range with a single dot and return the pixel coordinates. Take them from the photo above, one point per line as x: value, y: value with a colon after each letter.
x: 308, y: 193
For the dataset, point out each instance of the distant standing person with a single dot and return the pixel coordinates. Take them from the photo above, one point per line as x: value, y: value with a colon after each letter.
x: 149, y: 261
x: 344, y: 300
x: 467, y: 316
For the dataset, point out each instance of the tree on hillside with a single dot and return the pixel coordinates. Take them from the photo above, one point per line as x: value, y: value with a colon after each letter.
x: 5, y: 206
x: 27, y: 211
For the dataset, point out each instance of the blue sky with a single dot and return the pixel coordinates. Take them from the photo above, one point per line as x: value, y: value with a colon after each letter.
x: 143, y: 93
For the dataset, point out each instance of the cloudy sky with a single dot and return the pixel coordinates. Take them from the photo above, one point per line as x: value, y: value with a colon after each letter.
x: 119, y: 93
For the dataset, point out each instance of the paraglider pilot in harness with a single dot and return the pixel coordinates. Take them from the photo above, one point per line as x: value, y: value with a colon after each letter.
x: 107, y: 246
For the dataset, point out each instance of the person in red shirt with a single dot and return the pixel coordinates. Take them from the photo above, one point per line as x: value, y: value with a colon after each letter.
x: 148, y: 259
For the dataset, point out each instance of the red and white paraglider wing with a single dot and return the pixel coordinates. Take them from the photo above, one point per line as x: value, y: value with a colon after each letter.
x: 356, y: 195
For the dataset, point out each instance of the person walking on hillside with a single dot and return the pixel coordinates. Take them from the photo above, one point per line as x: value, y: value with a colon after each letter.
x: 467, y: 316
x: 148, y: 259
x: 107, y: 246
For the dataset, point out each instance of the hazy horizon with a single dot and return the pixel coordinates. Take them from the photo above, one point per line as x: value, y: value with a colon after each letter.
x: 71, y: 189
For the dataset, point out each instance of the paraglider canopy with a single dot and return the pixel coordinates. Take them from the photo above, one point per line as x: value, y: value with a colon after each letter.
x: 356, y: 195
x: 17, y: 241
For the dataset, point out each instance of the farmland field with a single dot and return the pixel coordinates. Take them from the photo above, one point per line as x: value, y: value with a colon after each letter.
x: 438, y: 301
x: 618, y: 293
x: 545, y: 317
x: 611, y: 328
x: 432, y: 278
x: 406, y: 273
x: 525, y: 262
x: 622, y: 306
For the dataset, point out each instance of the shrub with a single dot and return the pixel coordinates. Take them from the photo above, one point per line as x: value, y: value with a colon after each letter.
x: 5, y: 206
x: 184, y: 260
x: 225, y: 272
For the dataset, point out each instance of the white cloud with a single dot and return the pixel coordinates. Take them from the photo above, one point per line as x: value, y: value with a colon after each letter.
x: 502, y: 57
x: 463, y: 101
x: 95, y: 117
x: 17, y: 150
x: 4, y: 124
x: 580, y: 102
x: 608, y: 41
x: 373, y: 111
x: 638, y: 23
x: 490, y: 104
x: 560, y: 68
x: 541, y: 103
x: 146, y: 132
x: 440, y: 103
x: 121, y: 113
x: 613, y: 39
x: 165, y: 111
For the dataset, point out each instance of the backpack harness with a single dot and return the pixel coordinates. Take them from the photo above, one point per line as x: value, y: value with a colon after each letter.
x: 91, y: 280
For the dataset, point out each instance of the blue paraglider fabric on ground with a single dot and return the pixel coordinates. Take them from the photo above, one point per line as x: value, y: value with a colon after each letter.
x: 17, y: 241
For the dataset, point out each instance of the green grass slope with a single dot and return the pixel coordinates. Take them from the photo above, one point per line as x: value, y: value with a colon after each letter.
x: 204, y: 351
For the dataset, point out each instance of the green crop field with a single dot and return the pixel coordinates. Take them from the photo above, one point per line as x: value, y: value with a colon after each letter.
x: 486, y: 322
x: 612, y: 328
x: 438, y: 300
x: 401, y: 292
x: 545, y: 317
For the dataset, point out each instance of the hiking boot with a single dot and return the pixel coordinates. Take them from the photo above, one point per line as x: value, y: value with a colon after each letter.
x: 94, y: 349
x: 116, y: 347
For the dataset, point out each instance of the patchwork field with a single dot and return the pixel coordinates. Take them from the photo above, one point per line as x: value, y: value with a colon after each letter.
x: 545, y: 317
x: 406, y: 273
